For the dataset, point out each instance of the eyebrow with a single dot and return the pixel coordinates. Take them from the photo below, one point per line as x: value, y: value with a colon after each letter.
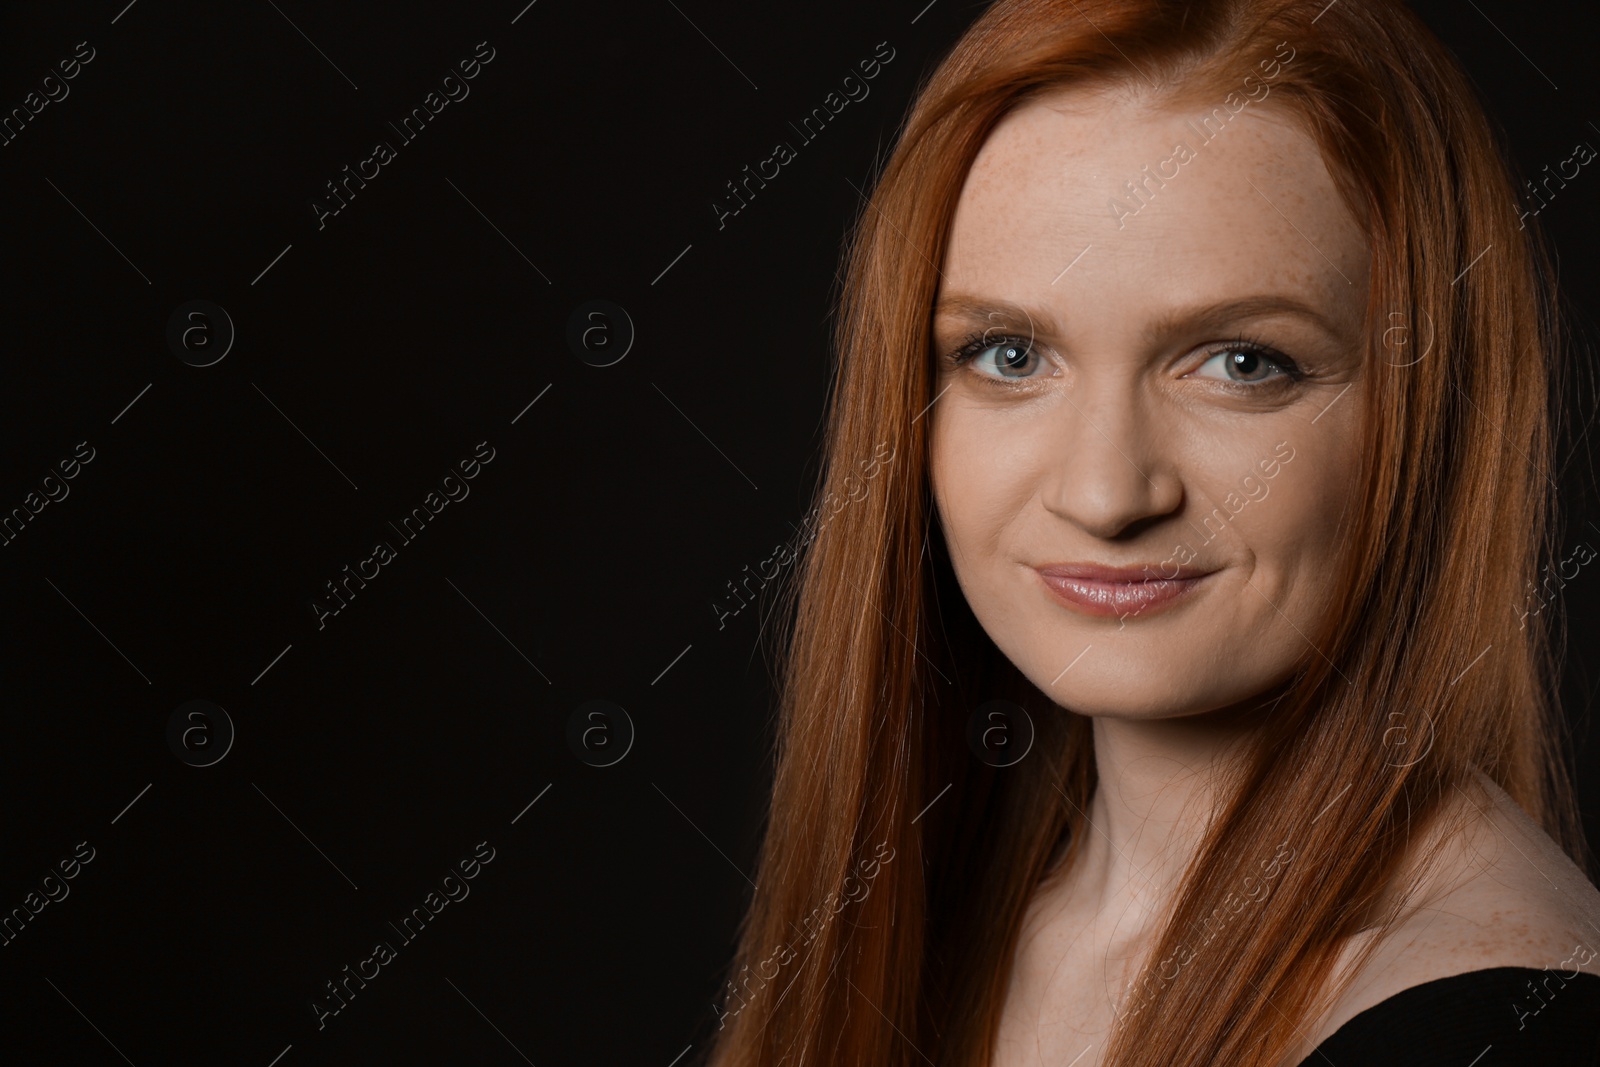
x: 962, y: 307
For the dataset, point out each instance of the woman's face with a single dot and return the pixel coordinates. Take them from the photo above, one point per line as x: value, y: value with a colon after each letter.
x: 1164, y: 386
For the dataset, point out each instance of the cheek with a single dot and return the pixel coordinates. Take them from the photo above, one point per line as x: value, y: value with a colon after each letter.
x: 979, y: 476
x: 1311, y: 500
x: 1293, y: 537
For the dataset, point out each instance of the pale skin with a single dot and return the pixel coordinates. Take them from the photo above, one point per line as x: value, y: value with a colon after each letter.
x: 1108, y: 416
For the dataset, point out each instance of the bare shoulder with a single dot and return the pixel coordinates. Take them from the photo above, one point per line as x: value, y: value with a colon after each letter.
x: 1501, y: 893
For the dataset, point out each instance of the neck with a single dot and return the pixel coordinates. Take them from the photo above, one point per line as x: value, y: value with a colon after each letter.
x: 1160, y: 782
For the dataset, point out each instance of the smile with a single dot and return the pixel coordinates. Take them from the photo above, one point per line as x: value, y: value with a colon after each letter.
x: 1116, y: 591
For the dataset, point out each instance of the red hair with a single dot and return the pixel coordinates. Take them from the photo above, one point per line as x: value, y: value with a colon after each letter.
x: 885, y: 919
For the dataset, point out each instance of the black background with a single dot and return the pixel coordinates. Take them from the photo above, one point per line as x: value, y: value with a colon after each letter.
x: 371, y: 356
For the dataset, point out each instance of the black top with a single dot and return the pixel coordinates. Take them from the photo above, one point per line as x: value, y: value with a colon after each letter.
x: 1497, y: 1017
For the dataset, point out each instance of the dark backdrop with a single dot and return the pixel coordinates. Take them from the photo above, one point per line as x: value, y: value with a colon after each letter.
x: 365, y: 355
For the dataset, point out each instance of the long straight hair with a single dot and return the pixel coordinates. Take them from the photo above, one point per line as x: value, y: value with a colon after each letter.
x: 896, y: 866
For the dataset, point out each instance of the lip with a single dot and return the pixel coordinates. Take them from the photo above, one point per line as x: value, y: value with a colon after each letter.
x: 1096, y: 589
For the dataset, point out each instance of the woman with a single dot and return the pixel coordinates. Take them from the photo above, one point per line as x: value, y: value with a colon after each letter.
x: 1212, y: 367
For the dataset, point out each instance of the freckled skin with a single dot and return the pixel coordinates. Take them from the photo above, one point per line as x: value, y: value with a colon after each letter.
x: 1116, y: 449
x: 1113, y: 440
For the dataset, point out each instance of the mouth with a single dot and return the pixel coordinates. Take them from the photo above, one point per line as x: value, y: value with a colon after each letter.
x: 1092, y: 589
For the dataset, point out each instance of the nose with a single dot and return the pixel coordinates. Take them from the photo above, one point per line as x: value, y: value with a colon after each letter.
x: 1112, y: 468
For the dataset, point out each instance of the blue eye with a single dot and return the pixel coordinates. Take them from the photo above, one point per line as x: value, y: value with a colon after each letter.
x: 1249, y: 362
x: 1009, y: 354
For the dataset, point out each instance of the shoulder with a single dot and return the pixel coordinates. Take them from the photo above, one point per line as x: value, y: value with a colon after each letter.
x: 1499, y: 893
x: 1548, y: 1016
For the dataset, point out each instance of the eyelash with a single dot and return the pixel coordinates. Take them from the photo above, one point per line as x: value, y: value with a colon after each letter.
x: 978, y: 343
x: 1287, y: 367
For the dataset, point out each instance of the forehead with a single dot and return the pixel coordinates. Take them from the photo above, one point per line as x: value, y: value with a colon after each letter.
x: 1087, y: 204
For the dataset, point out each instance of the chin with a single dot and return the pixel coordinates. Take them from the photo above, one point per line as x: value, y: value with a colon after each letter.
x: 1116, y: 701
x: 1143, y: 681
